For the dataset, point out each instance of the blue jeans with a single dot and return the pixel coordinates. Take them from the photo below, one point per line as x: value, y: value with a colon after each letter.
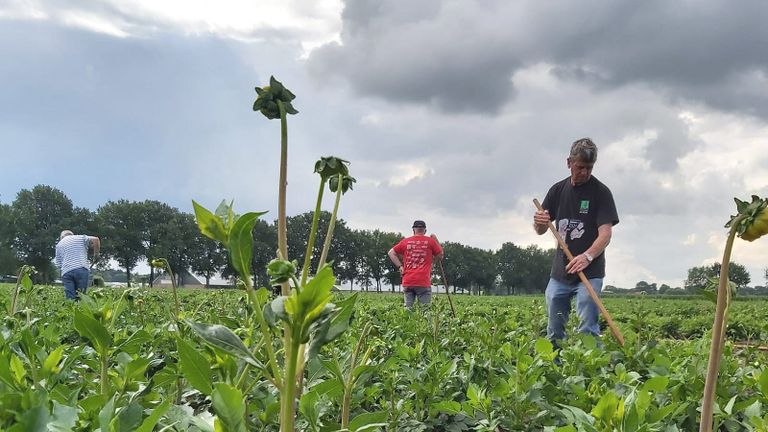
x: 559, y: 297
x: 424, y: 294
x: 75, y: 281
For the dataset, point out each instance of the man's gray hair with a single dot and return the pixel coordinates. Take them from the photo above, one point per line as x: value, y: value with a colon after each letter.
x: 584, y: 150
x: 65, y: 233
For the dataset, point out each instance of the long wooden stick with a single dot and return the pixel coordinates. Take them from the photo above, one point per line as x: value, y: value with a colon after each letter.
x: 603, y: 311
x: 445, y: 283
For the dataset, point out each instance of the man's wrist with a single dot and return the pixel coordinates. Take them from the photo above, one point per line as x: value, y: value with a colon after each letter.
x: 588, y: 256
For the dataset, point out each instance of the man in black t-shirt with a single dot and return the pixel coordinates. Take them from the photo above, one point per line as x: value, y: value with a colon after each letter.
x: 584, y: 213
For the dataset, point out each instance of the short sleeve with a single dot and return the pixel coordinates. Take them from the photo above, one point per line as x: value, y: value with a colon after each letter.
x: 606, y: 211
x: 436, y: 249
x: 550, y: 202
x: 399, y: 248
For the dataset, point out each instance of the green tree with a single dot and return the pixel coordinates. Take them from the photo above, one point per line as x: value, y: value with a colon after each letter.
x: 347, y: 253
x: 299, y: 227
x: 645, y: 287
x: 698, y: 277
x: 375, y: 264
x: 156, y: 235
x: 457, y: 266
x: 524, y: 270
x: 178, y: 234
x: 509, y: 267
x: 123, y: 225
x: 39, y: 215
x: 9, y: 261
x: 207, y: 257
x: 264, y: 241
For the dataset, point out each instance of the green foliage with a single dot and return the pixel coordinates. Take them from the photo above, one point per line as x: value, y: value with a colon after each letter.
x: 699, y: 278
x: 486, y: 369
x: 38, y: 216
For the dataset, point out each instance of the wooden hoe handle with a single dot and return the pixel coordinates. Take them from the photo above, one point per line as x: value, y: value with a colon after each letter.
x: 445, y: 283
x: 603, y: 311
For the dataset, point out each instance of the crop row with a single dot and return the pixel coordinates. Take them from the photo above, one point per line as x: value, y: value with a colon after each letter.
x: 487, y: 369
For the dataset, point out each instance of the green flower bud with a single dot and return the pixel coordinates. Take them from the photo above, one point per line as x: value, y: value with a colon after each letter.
x: 268, y: 96
x: 281, y: 271
x: 752, y: 218
x: 331, y: 166
x: 346, y: 183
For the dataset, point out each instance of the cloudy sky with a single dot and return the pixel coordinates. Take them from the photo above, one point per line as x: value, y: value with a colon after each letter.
x: 456, y: 112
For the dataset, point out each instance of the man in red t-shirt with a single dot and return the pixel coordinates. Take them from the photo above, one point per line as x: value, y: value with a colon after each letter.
x: 416, y: 265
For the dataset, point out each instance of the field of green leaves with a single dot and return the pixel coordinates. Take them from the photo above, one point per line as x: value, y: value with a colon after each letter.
x: 116, y: 361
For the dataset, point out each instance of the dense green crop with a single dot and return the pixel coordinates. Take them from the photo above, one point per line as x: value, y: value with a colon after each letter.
x: 489, y: 369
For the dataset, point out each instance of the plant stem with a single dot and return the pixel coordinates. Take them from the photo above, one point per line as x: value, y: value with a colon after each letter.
x: 286, y: 402
x: 282, y: 230
x: 266, y: 334
x: 718, y: 334
x: 347, y: 401
x: 312, y: 235
x: 173, y: 284
x: 331, y: 225
x: 104, y: 375
x: 287, y: 405
x: 16, y: 293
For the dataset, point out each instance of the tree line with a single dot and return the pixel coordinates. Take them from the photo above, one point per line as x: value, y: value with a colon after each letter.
x: 134, y: 231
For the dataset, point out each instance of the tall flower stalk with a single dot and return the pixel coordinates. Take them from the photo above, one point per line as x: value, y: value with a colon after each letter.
x: 274, y: 101
x: 302, y: 316
x: 750, y: 223
x: 345, y: 181
x: 328, y: 168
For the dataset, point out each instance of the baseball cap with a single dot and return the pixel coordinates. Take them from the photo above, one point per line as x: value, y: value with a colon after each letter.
x: 419, y: 224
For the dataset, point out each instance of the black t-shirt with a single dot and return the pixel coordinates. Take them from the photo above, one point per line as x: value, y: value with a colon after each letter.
x: 577, y: 211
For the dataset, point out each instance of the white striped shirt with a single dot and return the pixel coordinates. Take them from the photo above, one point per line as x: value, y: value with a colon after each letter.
x: 72, y: 253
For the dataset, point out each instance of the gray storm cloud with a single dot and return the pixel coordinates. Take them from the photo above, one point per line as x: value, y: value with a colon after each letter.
x: 460, y: 56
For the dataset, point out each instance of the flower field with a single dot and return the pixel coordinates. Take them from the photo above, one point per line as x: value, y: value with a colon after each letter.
x: 120, y: 361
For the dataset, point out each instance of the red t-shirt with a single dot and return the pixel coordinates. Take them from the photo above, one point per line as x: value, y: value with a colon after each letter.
x: 417, y: 252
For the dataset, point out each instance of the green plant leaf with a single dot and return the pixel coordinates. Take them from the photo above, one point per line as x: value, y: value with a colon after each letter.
x: 135, y: 368
x: 607, y: 407
x: 26, y: 282
x: 368, y: 421
x: 228, y: 405
x: 53, y: 359
x: 195, y: 367
x: 63, y: 419
x: 92, y: 330
x: 308, y: 407
x: 210, y: 225
x: 34, y: 419
x: 314, y: 296
x: 135, y: 341
x: 241, y: 243
x: 128, y: 418
x: 656, y: 384
x: 226, y: 340
x: 543, y: 346
x: 148, y: 425
x: 764, y: 382
x: 447, y: 407
x: 107, y: 413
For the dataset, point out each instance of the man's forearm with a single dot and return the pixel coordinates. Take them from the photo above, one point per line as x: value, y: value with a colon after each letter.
x: 604, y: 233
x: 394, y: 258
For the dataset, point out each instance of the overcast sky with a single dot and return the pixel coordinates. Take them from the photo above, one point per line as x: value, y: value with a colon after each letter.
x: 456, y: 112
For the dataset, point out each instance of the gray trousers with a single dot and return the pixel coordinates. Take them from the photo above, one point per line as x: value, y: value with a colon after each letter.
x: 424, y: 294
